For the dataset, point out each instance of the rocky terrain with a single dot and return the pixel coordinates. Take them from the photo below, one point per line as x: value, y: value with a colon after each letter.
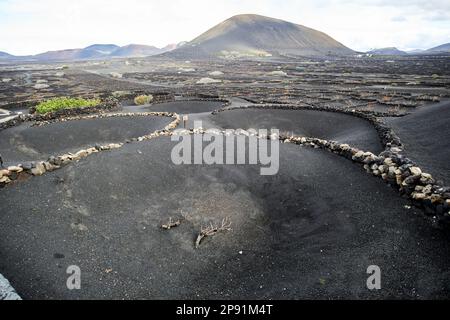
x: 308, y: 242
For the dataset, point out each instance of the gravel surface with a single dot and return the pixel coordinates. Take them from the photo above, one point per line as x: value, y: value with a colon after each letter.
x: 318, y: 124
x: 426, y: 136
x: 25, y: 143
x: 309, y: 232
x: 180, y: 107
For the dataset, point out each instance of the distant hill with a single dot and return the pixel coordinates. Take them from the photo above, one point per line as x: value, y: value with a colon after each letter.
x: 416, y: 51
x: 135, y: 50
x: 69, y: 54
x: 443, y: 48
x: 173, y: 46
x: 4, y: 55
x: 102, y: 48
x: 390, y: 51
x: 95, y: 51
x: 255, y: 35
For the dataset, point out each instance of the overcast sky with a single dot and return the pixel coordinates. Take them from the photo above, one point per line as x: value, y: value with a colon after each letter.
x: 34, y: 26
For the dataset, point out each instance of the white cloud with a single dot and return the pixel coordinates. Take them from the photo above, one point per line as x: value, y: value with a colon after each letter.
x: 32, y: 26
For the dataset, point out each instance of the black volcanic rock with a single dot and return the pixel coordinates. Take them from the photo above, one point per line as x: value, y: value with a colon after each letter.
x: 255, y: 35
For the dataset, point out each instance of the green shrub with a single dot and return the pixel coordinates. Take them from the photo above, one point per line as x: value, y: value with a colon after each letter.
x: 143, y: 99
x: 56, y: 104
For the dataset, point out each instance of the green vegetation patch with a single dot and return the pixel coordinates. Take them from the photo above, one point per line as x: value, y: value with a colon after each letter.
x: 57, y: 104
x: 143, y: 99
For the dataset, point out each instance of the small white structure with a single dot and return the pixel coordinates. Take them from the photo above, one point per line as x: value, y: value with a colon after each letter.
x: 187, y: 70
x: 39, y: 86
x: 116, y: 75
x: 208, y: 81
x: 278, y: 73
x: 216, y: 73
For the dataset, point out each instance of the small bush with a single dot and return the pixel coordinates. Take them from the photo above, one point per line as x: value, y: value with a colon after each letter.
x: 56, y: 104
x: 143, y: 99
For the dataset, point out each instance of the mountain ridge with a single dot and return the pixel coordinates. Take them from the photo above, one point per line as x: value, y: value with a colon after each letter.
x: 443, y: 48
x: 135, y: 50
x: 244, y: 35
x: 92, y: 52
x: 388, y: 51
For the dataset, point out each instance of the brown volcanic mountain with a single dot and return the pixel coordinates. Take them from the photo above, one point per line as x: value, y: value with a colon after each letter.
x: 255, y: 35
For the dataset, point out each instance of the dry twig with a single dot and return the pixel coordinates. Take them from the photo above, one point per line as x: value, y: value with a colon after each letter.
x: 171, y: 224
x: 212, y: 230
